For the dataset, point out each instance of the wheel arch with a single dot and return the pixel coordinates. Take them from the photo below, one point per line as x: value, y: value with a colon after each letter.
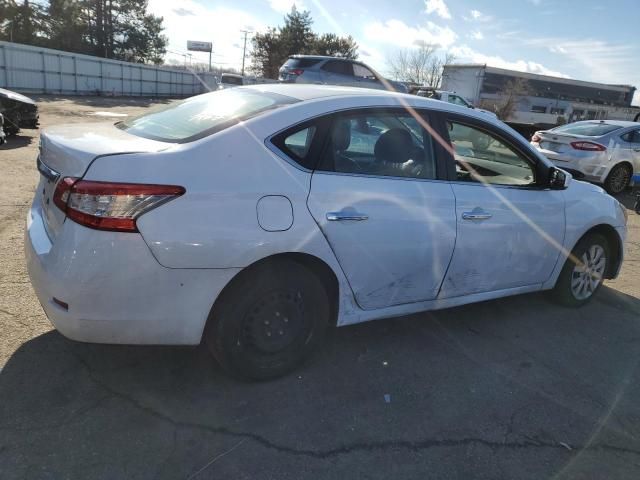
x: 314, y: 264
x: 615, y: 246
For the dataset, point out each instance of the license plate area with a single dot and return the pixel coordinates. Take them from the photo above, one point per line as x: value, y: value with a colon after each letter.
x: 552, y: 146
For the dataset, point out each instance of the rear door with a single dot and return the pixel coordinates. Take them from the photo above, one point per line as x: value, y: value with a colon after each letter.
x: 379, y: 199
x: 510, y: 229
x: 339, y: 72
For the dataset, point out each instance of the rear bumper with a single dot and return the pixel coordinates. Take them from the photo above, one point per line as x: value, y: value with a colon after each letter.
x: 116, y: 291
x: 593, y: 168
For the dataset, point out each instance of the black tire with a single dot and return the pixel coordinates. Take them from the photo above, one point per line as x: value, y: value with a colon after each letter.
x: 12, y: 125
x: 564, y: 293
x: 271, y: 319
x: 618, y: 179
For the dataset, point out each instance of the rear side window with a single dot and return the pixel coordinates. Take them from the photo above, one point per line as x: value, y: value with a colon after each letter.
x: 391, y: 144
x: 363, y: 72
x: 588, y: 129
x: 631, y: 137
x: 339, y: 67
x: 301, y: 62
x: 296, y: 144
x: 203, y: 115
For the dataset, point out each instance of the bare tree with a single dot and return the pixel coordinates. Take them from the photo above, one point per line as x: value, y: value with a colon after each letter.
x: 421, y: 65
x: 507, y: 99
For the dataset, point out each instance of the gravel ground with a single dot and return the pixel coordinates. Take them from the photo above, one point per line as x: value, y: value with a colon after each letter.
x: 514, y: 388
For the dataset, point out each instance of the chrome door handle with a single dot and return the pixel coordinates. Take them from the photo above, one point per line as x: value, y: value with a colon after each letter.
x: 476, y: 216
x: 344, y: 216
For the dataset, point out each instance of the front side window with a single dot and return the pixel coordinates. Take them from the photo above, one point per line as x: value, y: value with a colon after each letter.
x: 483, y: 157
x: 203, y: 115
x: 385, y: 144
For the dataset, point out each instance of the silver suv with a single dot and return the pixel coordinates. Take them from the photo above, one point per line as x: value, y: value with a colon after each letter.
x: 334, y: 71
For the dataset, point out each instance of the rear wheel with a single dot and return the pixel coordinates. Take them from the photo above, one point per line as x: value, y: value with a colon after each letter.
x: 618, y: 179
x: 583, y: 272
x: 269, y: 321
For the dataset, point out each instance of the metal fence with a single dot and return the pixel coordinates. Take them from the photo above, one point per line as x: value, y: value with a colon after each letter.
x: 41, y: 70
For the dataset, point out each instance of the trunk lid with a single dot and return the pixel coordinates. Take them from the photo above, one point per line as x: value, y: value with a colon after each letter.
x: 68, y: 150
x: 558, y: 142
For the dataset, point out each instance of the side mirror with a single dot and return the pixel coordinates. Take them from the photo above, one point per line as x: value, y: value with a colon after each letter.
x: 559, y: 179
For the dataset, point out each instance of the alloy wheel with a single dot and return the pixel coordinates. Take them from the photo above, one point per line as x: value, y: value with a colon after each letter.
x: 588, y: 273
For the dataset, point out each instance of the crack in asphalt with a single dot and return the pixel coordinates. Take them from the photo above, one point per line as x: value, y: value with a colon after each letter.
x: 414, y: 446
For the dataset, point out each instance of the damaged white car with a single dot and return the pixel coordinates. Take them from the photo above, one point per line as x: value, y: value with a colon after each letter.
x: 254, y: 218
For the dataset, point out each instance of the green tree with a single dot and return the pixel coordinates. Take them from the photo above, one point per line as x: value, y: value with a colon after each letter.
x: 334, y: 46
x: 24, y: 22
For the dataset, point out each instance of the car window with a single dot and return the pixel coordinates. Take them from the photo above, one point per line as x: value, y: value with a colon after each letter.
x: 301, y: 62
x: 631, y: 137
x: 456, y: 100
x: 299, y: 143
x: 296, y: 143
x: 386, y: 144
x: 338, y: 66
x: 483, y: 157
x: 589, y: 129
x: 203, y: 115
x: 363, y: 72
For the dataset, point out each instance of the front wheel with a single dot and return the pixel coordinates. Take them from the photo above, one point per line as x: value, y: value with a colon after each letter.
x: 618, y: 179
x: 583, y: 272
x: 269, y: 320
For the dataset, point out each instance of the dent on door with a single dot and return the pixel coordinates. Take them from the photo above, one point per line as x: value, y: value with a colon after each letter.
x: 393, y: 238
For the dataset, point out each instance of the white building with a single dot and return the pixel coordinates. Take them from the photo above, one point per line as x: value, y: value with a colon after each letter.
x: 547, y: 101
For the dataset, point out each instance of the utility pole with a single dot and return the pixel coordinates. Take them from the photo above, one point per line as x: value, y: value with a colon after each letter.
x: 244, y: 48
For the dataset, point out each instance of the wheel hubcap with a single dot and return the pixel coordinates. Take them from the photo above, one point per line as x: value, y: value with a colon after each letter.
x: 273, y: 323
x: 589, y: 272
x: 619, y: 179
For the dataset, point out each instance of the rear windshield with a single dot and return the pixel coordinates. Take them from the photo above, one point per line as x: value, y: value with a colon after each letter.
x: 301, y: 62
x: 203, y: 115
x: 231, y: 79
x: 590, y: 129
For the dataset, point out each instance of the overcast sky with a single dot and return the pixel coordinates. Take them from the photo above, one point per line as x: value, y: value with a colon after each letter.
x: 587, y: 39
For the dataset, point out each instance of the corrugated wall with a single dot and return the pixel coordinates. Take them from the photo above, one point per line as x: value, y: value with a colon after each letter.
x: 41, y: 70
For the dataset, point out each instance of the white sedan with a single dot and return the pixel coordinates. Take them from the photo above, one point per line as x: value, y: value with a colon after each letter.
x: 601, y: 151
x: 254, y: 218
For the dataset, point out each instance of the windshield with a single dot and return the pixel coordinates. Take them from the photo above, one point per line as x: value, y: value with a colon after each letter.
x: 203, y: 115
x: 590, y: 129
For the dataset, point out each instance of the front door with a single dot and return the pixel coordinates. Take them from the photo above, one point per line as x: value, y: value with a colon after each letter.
x: 377, y: 198
x: 510, y: 231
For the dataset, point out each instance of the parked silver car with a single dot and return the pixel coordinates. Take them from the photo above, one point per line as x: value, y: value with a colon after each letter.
x: 601, y: 151
x: 334, y: 71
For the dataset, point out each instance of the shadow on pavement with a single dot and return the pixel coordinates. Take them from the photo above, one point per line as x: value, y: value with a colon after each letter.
x: 515, y: 388
x: 17, y: 141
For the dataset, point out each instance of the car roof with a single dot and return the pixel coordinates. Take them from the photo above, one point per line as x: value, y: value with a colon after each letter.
x: 619, y: 123
x: 310, y: 92
x: 15, y: 96
x: 324, y: 57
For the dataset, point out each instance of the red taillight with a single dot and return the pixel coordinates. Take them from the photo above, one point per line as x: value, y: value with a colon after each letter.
x: 110, y: 206
x: 536, y: 138
x: 588, y: 146
x: 61, y: 194
x: 296, y: 71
